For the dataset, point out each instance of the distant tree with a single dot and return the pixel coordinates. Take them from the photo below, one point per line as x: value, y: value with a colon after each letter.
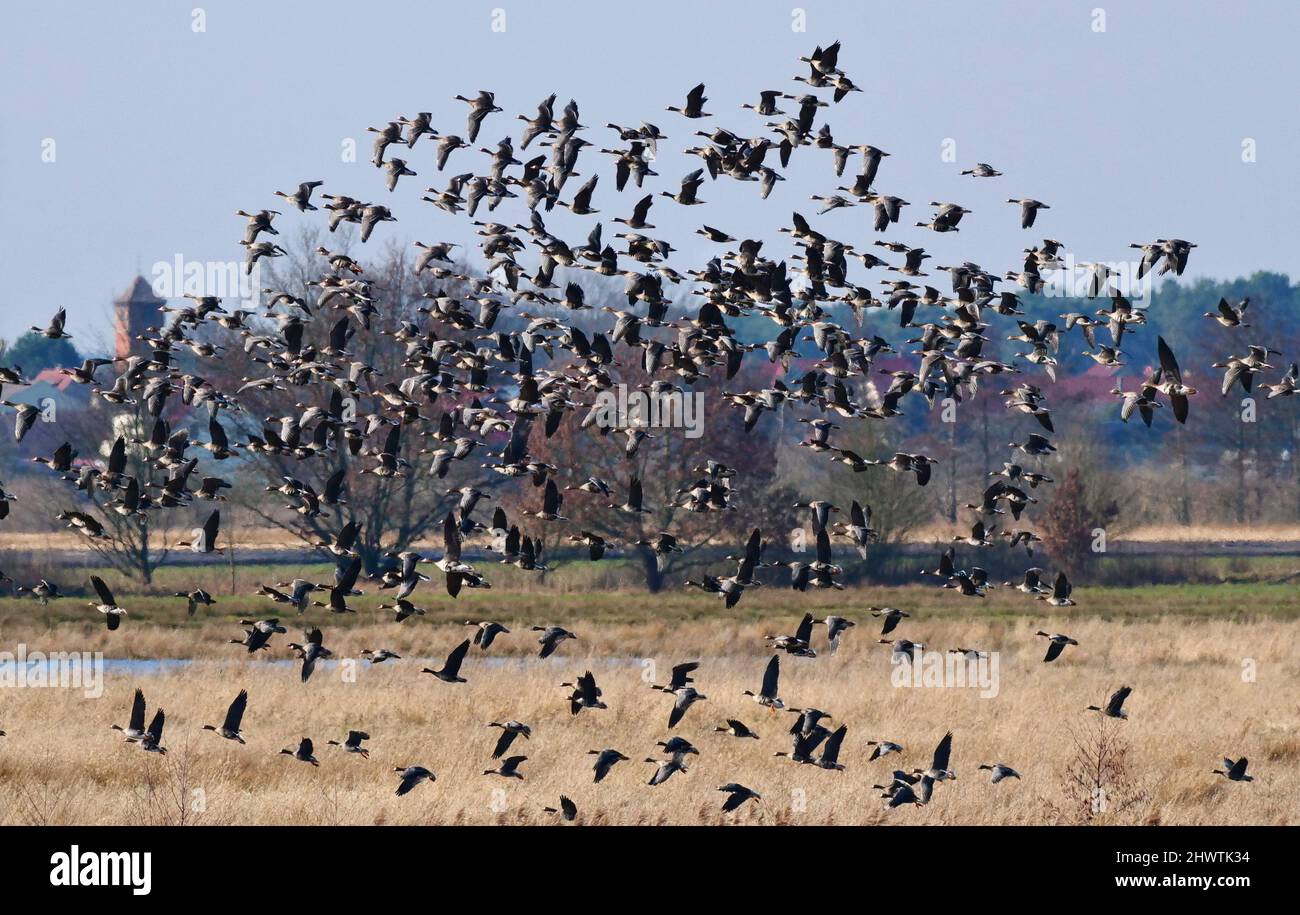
x: 394, y: 512
x: 136, y: 545
x: 1071, y: 519
x: 664, y: 463
x: 35, y: 353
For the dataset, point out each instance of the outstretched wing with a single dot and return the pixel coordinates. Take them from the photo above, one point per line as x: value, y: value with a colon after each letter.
x: 942, y: 753
x: 771, y: 676
x: 235, y: 713
x: 101, y: 589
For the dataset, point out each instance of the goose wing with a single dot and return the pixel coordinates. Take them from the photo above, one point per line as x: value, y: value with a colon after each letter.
x: 101, y: 589
x: 210, y: 528
x: 451, y: 666
x: 346, y: 576
x: 1117, y: 700
x: 551, y: 499
x: 1168, y: 363
x: 137, y: 712
x: 156, y: 726
x: 770, y: 678
x: 942, y: 752
x: 1061, y: 588
x: 235, y: 713
x: 451, y: 538
x: 831, y: 752
x: 503, y: 743
x: 804, y: 632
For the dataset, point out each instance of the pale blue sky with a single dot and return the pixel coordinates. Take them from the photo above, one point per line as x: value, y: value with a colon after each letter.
x: 161, y: 132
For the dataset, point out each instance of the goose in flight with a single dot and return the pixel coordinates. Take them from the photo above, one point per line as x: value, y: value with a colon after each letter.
x: 830, y: 755
x: 1234, y: 771
x: 1142, y: 400
x: 194, y: 598
x: 352, y: 743
x: 301, y: 198
x: 605, y: 760
x: 892, y: 615
x: 312, y: 652
x: 509, y: 768
x: 1000, y: 771
x: 858, y: 529
x: 737, y: 794
x: 1286, y: 387
x: 258, y: 635
x: 881, y: 748
x: 982, y: 170
x: 1034, y: 444
x: 567, y: 810
x: 694, y: 107
x: 1115, y: 705
x: 939, y: 766
x: 234, y: 715
x: 402, y: 609
x: 917, y: 794
x: 450, y: 670
x: 681, y: 677
x: 904, y: 651
x: 107, y: 605
x: 134, y: 730
x: 586, y: 694
x: 1029, y: 208
x: 666, y: 769
x: 509, y: 731
x: 1060, y: 596
x: 767, y: 693
x: 151, y: 742
x: 486, y: 632
x: 633, y: 505
x: 412, y: 776
x: 551, y: 638
x: 836, y: 626
x: 1031, y: 584
x: 796, y: 644
x: 1243, y: 368
x: 42, y: 590
x: 480, y: 107
x: 686, y: 697
x: 205, y: 538
x: 25, y: 416
x: 690, y: 187
x: 54, y: 330
x: 303, y: 752
x: 1169, y: 381
x: 1056, y: 645
x: 1228, y: 315
x: 736, y: 728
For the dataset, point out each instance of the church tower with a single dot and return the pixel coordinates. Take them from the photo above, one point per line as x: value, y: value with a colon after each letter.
x: 134, y: 311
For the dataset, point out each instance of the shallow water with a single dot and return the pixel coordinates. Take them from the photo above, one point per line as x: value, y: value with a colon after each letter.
x: 52, y: 668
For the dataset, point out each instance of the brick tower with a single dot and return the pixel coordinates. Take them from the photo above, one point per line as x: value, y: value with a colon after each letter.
x: 134, y: 311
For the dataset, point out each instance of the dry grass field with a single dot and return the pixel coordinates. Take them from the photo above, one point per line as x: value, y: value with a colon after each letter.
x: 1214, y: 672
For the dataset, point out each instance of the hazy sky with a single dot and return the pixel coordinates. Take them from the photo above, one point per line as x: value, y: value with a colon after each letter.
x: 161, y: 132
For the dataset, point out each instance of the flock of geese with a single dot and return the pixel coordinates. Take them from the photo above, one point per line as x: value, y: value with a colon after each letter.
x: 499, y: 384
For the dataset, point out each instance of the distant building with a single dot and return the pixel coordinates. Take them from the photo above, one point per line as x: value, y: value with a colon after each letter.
x: 134, y: 311
x: 50, y: 386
